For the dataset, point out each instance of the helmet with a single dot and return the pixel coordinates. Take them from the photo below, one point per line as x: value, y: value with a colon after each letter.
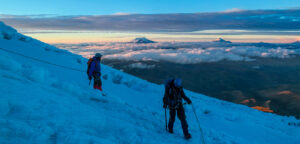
x: 98, y: 55
x: 177, y: 82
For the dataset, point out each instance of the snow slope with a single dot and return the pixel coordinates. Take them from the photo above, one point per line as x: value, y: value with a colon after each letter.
x: 44, y: 103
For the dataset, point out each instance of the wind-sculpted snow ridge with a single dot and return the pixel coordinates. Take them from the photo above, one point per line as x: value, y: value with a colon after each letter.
x: 186, y: 52
x: 42, y: 103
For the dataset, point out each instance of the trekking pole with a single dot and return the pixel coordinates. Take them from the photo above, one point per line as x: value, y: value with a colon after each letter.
x: 166, y: 121
x: 203, y: 142
x: 90, y: 82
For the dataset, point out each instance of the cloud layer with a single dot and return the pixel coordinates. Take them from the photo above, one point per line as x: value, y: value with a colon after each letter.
x: 185, y: 52
x: 288, y: 19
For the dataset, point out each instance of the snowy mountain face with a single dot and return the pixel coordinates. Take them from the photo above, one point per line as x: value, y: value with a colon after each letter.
x: 46, y: 98
x: 142, y: 40
x: 222, y: 40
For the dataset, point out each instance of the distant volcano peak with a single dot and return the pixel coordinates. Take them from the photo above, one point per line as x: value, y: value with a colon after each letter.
x: 296, y: 42
x: 142, y: 40
x: 221, y: 40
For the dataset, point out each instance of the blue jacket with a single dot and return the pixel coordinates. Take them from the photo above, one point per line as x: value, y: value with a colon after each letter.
x: 95, y: 67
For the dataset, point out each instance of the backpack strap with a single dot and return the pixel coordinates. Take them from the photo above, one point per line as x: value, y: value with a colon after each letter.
x: 89, y: 65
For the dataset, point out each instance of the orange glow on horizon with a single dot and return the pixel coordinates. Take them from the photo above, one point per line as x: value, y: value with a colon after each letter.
x: 86, y: 37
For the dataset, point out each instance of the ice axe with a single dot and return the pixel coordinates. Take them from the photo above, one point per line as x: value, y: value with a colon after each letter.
x: 166, y: 121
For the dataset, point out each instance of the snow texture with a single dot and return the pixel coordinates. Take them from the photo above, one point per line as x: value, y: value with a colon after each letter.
x: 42, y: 103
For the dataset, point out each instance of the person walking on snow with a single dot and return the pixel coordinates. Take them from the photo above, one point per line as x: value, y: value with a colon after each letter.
x: 173, y: 100
x: 94, y: 70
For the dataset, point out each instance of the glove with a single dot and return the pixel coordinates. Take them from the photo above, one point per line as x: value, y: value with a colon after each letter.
x: 90, y: 78
x: 165, y: 106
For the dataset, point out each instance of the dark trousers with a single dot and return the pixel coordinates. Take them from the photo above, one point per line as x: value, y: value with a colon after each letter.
x: 182, y: 118
x: 97, y: 82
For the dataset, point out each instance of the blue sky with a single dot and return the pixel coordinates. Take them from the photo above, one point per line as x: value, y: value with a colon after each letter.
x: 104, y: 7
x: 166, y: 20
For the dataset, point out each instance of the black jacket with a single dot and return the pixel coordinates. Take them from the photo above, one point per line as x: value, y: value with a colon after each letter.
x: 173, y: 96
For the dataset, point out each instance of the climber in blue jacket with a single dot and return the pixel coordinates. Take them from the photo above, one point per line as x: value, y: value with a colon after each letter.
x: 94, y: 70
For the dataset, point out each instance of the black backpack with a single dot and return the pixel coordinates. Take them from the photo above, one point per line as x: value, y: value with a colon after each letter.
x: 174, y: 98
x: 89, y: 65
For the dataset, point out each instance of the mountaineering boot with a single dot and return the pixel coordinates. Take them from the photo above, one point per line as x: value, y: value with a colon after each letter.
x: 103, y: 94
x: 188, y: 136
x: 170, y: 131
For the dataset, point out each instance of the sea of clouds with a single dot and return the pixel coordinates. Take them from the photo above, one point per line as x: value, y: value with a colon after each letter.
x: 185, y: 52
